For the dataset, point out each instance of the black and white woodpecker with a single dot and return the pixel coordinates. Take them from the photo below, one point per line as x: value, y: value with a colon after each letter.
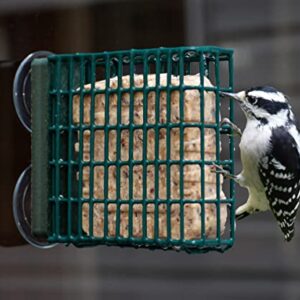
x: 270, y: 155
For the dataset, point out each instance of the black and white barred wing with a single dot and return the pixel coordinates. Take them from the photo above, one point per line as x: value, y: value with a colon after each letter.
x: 279, y: 172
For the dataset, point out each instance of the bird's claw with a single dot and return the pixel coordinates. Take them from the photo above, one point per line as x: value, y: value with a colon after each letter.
x: 242, y: 215
x: 220, y: 170
x: 235, y: 129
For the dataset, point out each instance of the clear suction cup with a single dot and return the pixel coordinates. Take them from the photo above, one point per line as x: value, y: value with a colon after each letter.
x: 22, y: 88
x: 22, y: 210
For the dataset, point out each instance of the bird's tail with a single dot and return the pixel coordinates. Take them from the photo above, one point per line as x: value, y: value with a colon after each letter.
x: 287, y: 226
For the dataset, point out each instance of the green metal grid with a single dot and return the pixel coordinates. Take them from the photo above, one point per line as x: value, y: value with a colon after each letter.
x: 68, y: 74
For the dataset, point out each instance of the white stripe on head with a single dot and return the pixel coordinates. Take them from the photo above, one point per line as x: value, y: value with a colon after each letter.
x: 278, y: 97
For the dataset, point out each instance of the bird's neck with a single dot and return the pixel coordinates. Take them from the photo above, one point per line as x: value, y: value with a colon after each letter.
x: 282, y: 118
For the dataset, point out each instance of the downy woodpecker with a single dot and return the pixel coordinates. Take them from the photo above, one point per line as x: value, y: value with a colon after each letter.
x: 270, y: 155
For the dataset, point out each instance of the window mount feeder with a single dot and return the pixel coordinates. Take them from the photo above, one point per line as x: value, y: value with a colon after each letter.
x: 122, y: 145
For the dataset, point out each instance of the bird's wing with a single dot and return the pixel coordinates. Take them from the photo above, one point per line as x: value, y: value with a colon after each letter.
x: 279, y: 171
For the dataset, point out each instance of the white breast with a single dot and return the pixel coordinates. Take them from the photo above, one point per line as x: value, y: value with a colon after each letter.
x: 253, y: 146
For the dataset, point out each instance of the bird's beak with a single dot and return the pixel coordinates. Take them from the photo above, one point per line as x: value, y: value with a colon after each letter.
x: 235, y: 96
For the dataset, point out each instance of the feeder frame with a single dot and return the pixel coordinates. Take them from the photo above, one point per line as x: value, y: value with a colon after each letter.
x: 57, y: 198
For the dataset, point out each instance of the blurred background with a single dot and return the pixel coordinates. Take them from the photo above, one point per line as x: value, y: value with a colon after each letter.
x: 266, y: 38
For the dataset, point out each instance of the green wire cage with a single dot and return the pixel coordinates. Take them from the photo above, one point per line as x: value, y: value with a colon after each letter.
x: 78, y: 104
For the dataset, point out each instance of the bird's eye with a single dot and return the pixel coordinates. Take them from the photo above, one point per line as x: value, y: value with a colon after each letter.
x: 252, y: 100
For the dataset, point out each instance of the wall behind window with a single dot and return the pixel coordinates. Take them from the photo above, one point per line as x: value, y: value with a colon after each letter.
x: 266, y: 39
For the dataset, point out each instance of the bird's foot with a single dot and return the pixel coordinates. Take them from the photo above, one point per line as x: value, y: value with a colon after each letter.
x: 242, y: 215
x: 220, y: 170
x: 234, y: 128
x: 244, y: 211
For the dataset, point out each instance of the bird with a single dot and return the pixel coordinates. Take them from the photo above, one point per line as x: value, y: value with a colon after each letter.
x: 270, y: 156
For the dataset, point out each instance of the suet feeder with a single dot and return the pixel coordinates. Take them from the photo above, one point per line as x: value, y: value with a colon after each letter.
x: 122, y: 148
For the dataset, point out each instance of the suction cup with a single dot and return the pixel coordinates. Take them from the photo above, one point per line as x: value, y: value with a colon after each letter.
x: 22, y: 88
x: 22, y: 210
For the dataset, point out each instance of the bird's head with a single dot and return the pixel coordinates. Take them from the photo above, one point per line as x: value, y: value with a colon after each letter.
x: 264, y: 104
